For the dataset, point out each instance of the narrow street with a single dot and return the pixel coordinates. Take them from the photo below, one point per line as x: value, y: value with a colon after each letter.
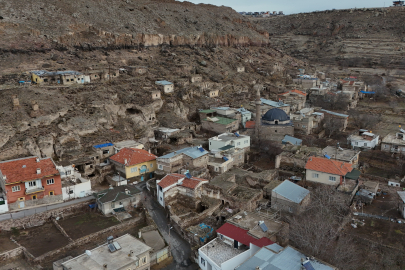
x: 181, y: 249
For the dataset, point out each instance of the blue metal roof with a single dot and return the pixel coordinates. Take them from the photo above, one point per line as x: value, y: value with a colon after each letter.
x: 103, y: 145
x: 163, y: 82
x: 220, y: 108
x: 291, y: 191
x: 193, y: 152
x: 367, y: 92
x: 52, y: 73
x: 333, y: 113
x: 273, y: 103
x: 287, y: 259
x: 243, y: 111
x: 292, y: 140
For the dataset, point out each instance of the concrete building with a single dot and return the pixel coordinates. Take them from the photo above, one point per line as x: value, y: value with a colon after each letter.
x: 127, y: 144
x: 219, y: 124
x: 213, y: 93
x: 241, y: 114
x: 275, y: 256
x: 401, y: 204
x: 295, y: 98
x: 342, y: 154
x: 167, y: 87
x: 394, y: 143
x: 190, y: 158
x: 363, y: 140
x: 289, y: 197
x: 306, y: 121
x: 327, y: 171
x: 224, y: 159
x: 123, y: 253
x: 196, y: 78
x: 229, y: 139
x: 116, y: 199
x: 29, y: 182
x: 73, y: 184
x: 240, y: 69
x: 134, y: 164
x: 104, y: 150
x: 173, y: 184
x: 57, y: 77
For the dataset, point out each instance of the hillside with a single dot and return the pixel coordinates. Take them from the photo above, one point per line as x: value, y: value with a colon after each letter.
x: 90, y: 24
x: 355, y: 37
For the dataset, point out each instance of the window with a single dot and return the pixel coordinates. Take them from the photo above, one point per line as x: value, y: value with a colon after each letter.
x: 210, y: 143
x: 240, y: 157
x: 216, y: 169
x: 315, y: 175
x: 32, y: 183
x: 202, y: 261
x: 290, y: 209
x: 15, y: 188
x: 365, y: 144
x: 134, y: 169
x: 143, y: 260
x: 34, y: 197
x: 332, y: 178
x: 238, y: 143
x: 71, y: 191
x: 51, y: 193
x: 106, y: 152
x: 247, y: 141
x: 50, y: 181
x: 160, y: 167
x: 68, y: 172
x: 221, y: 236
x: 151, y: 165
x: 357, y: 143
x: 160, y: 188
x: 385, y: 146
x: 161, y: 199
x: 113, y: 205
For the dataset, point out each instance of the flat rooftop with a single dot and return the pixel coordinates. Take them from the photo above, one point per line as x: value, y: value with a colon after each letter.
x: 340, y: 154
x: 219, y: 252
x: 392, y: 138
x: 115, y: 260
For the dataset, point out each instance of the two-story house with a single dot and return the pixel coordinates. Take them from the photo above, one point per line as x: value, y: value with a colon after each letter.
x: 327, y: 171
x: 190, y: 158
x: 30, y: 181
x: 364, y: 140
x: 123, y: 253
x: 174, y: 183
x: 134, y: 164
x: 234, y: 140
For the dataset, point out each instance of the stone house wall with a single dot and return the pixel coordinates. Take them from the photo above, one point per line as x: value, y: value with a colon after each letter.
x: 200, y: 162
x: 280, y: 203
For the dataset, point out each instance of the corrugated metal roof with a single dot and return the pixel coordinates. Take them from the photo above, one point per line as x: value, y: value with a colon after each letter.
x: 192, y: 152
x: 273, y: 103
x: 402, y: 195
x: 163, y: 82
x: 292, y: 140
x: 337, y: 114
x: 53, y: 73
x: 207, y: 111
x: 103, y: 145
x: 291, y: 191
x: 222, y: 120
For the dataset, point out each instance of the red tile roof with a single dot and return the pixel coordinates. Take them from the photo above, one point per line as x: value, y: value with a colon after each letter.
x: 236, y: 233
x: 294, y: 91
x: 262, y: 242
x: 173, y: 178
x: 250, y: 124
x: 328, y: 166
x: 25, y: 169
x: 133, y: 156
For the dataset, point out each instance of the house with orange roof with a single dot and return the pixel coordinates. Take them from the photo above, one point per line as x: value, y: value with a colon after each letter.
x: 29, y: 182
x: 134, y: 164
x: 172, y: 184
x: 327, y: 171
x: 295, y: 98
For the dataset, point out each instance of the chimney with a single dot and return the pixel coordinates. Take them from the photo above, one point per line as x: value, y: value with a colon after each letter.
x: 38, y: 171
x: 125, y: 161
x: 37, y: 159
x: 131, y: 253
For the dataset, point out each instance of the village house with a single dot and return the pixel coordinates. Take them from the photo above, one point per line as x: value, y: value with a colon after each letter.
x: 125, y: 252
x: 234, y: 140
x: 219, y: 124
x: 320, y: 90
x: 104, y: 150
x: 58, y: 77
x: 363, y: 140
x: 269, y: 104
x: 289, y: 197
x: 117, y: 199
x: 291, y: 140
x: 163, y: 133
x: 134, y: 164
x: 342, y: 154
x: 394, y: 143
x: 173, y: 184
x: 295, y: 98
x: 306, y: 81
x: 327, y: 171
x: 190, y: 158
x: 224, y: 159
x: 118, y: 146
x: 137, y: 70
x: 29, y: 182
x: 240, y: 69
x: 306, y: 121
x: 232, y: 247
x: 166, y: 86
x: 275, y: 256
x: 401, y: 204
x: 74, y: 185
x: 212, y: 93
x: 196, y: 78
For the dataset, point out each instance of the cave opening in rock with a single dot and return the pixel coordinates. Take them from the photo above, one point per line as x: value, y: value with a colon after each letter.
x: 133, y: 111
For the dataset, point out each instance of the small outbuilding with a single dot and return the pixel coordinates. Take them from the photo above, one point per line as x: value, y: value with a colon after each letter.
x: 289, y: 197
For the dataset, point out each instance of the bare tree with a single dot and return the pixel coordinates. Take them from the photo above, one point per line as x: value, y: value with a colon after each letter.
x: 332, y: 126
x: 365, y: 121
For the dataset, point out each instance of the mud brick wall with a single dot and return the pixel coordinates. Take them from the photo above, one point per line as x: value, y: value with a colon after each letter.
x: 95, y: 237
x: 199, y: 218
x: 40, y: 218
x: 11, y: 255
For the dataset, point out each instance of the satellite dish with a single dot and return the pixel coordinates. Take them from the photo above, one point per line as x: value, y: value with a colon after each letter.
x: 88, y: 252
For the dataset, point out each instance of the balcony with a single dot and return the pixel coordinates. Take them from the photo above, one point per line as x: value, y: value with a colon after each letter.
x: 33, y: 190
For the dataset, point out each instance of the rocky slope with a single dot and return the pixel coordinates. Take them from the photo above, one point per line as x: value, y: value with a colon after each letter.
x: 356, y: 37
x: 91, y: 24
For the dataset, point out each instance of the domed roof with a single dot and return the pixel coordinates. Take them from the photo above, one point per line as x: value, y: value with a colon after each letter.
x: 275, y: 114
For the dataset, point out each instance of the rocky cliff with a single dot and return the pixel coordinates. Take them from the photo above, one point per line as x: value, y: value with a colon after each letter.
x: 91, y: 24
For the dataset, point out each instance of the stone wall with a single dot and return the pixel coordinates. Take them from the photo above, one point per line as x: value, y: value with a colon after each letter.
x: 40, y: 218
x: 11, y: 255
x: 43, y: 201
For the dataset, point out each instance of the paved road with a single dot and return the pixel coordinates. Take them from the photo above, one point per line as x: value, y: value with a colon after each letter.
x: 40, y: 209
x: 181, y: 249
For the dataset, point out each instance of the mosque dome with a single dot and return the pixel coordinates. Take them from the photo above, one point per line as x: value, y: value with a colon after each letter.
x: 275, y: 114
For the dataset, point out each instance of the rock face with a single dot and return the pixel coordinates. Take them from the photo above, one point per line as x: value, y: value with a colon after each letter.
x: 45, y: 144
x: 6, y: 133
x: 95, y: 24
x: 32, y: 147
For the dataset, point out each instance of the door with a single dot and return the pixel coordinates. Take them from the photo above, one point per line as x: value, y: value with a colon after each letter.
x: 82, y: 194
x: 142, y: 178
x: 235, y: 244
x: 21, y: 204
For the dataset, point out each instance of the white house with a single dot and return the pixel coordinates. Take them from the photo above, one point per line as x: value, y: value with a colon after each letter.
x: 231, y: 248
x: 3, y: 203
x: 73, y: 184
x: 401, y: 204
x: 174, y: 183
x: 394, y: 143
x: 167, y: 87
x: 231, y: 140
x: 365, y: 140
